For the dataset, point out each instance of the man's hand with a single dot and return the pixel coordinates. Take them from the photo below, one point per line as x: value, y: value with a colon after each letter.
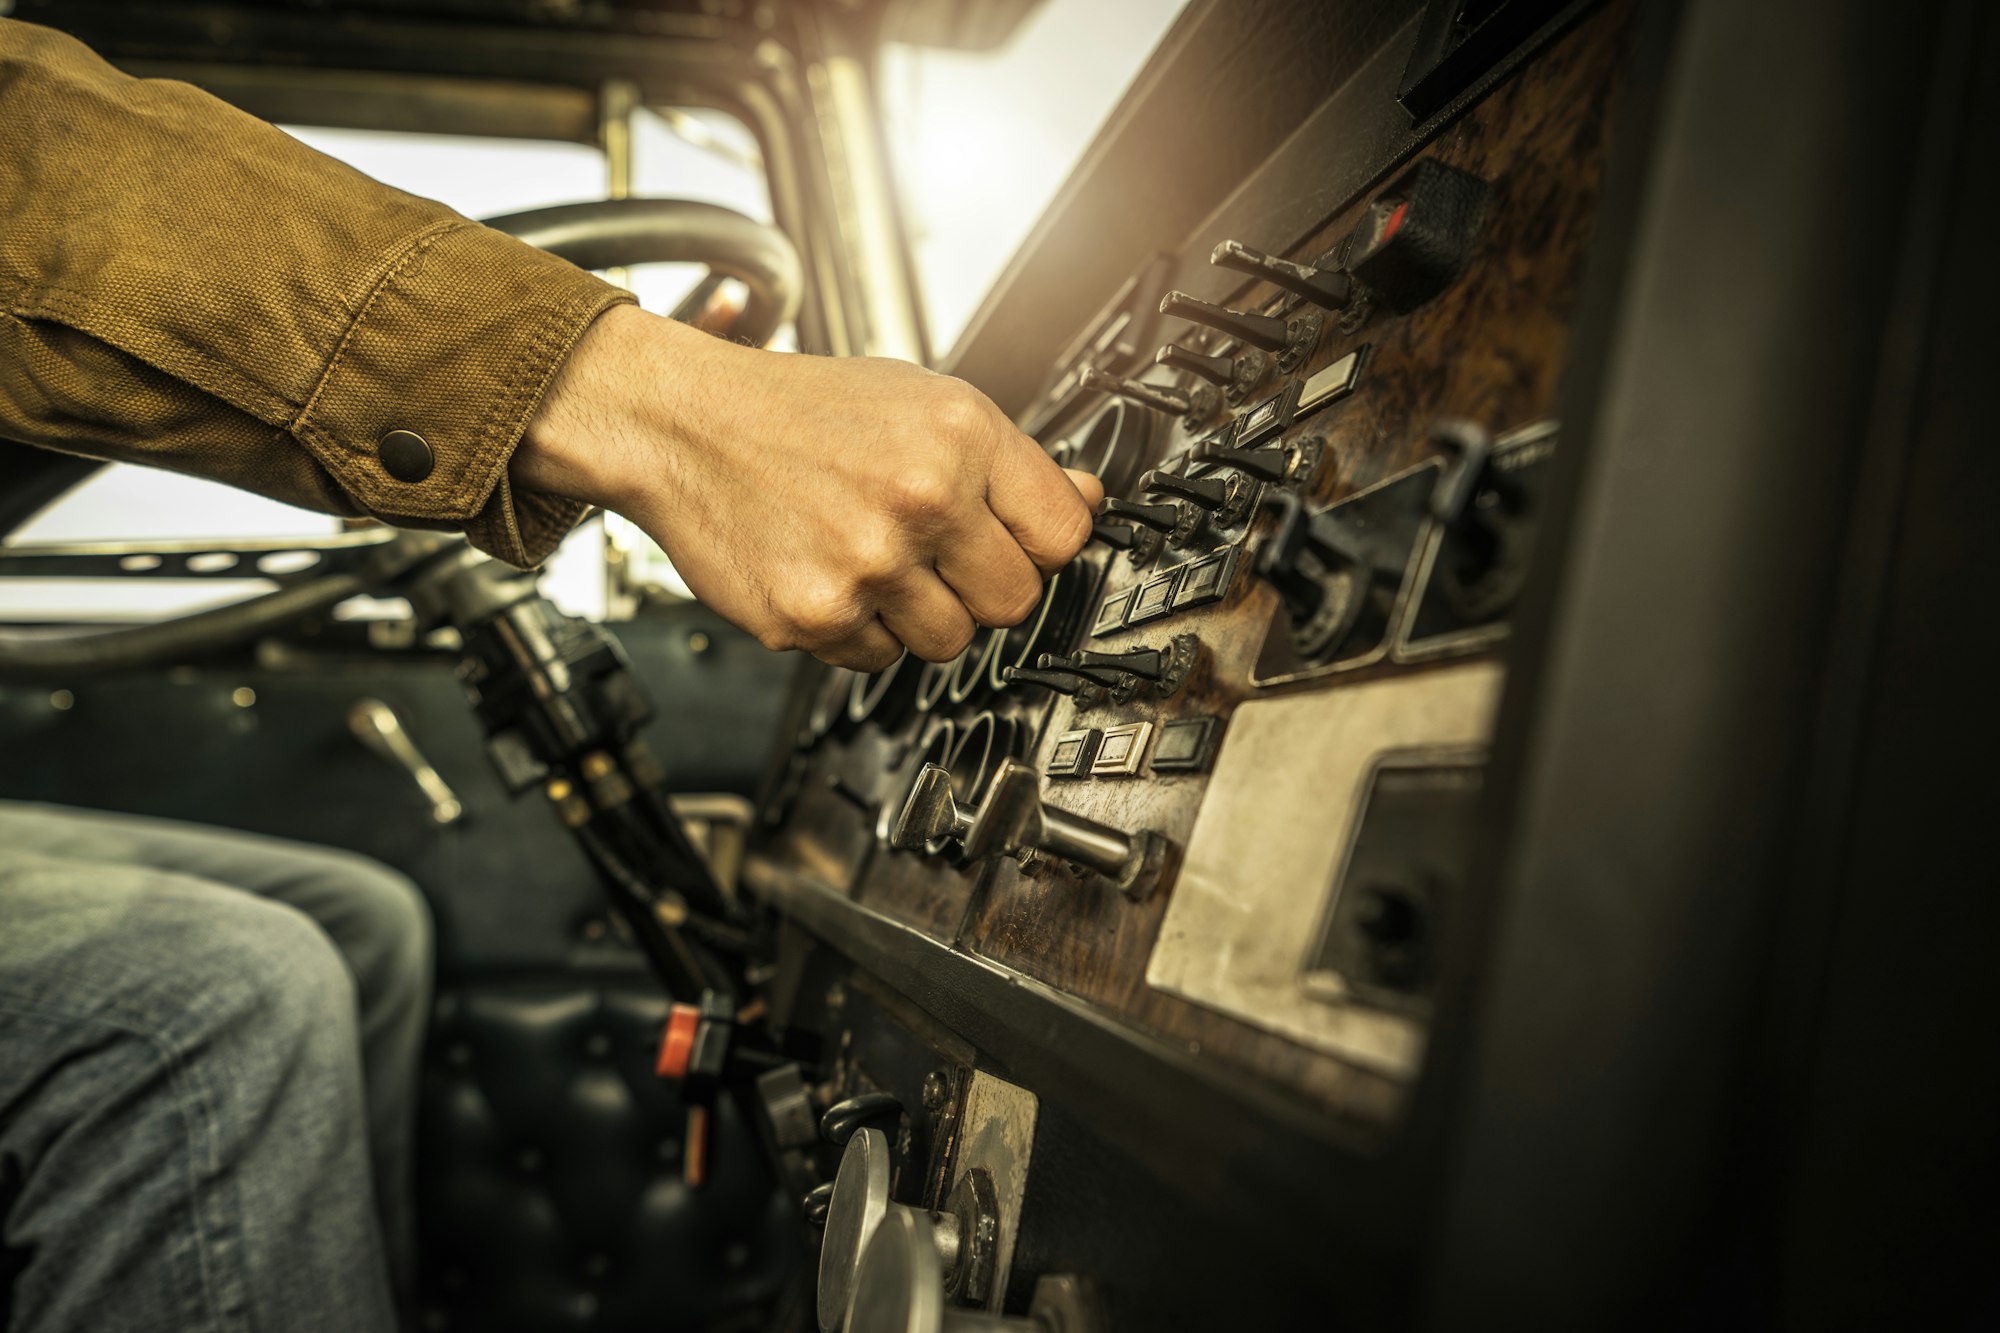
x: 846, y: 507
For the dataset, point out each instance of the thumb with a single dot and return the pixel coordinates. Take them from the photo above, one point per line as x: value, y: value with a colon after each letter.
x: 1088, y: 486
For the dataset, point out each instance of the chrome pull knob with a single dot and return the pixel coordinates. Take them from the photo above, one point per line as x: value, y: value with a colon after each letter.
x: 1013, y: 822
x: 376, y: 726
x: 1329, y: 289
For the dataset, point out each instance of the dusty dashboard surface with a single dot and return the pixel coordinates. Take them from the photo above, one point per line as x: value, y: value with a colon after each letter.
x: 1269, y: 683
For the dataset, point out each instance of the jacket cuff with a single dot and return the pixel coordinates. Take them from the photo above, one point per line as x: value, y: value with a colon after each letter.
x: 422, y: 405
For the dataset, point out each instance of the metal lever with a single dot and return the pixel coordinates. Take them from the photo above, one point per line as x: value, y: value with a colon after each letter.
x: 1330, y: 289
x: 376, y: 726
x: 1014, y: 822
x: 1161, y: 399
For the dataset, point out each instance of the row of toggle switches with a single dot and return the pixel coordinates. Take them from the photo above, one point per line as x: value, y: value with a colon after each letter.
x: 1412, y: 242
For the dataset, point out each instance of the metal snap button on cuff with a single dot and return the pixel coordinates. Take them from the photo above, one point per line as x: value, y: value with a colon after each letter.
x: 406, y: 455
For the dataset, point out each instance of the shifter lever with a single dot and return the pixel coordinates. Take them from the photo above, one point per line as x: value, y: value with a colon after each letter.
x: 1014, y: 822
x: 376, y: 726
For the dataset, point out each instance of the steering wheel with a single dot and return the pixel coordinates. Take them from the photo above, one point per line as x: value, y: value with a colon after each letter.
x: 615, y: 233
x: 609, y: 233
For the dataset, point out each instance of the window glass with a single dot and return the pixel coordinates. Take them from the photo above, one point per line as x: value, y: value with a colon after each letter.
x: 982, y: 140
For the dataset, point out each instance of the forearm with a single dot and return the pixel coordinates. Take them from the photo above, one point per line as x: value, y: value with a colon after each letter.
x: 183, y: 284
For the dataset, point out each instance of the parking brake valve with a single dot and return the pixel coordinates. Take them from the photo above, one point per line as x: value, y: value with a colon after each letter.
x: 959, y: 1243
x: 902, y: 1283
x: 1012, y: 821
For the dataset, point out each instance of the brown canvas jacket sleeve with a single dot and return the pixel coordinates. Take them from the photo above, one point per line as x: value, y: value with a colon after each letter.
x: 186, y: 286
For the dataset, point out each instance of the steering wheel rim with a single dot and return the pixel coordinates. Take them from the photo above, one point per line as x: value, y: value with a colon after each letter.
x: 616, y: 233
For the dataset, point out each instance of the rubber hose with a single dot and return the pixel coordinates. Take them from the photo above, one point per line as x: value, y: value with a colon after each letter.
x: 33, y: 657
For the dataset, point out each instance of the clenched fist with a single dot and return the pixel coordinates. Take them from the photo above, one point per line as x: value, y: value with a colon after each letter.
x: 851, y: 508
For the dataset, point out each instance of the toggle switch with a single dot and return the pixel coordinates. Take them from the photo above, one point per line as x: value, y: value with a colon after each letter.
x: 1484, y: 510
x: 1173, y: 402
x: 1012, y: 821
x: 1150, y: 663
x: 1273, y: 335
x: 1109, y: 677
x: 1272, y: 465
x: 1290, y: 340
x: 1142, y: 544
x: 1329, y: 289
x: 1048, y: 680
x: 1227, y: 498
x: 1235, y: 375
x: 1217, y: 370
x: 1324, y: 567
x: 1165, y: 519
x: 1211, y: 493
x: 1118, y: 536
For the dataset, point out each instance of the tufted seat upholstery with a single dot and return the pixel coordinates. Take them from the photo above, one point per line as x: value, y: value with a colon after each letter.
x: 549, y: 1175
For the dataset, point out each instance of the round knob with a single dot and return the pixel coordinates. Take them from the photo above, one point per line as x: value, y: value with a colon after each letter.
x: 859, y: 1202
x: 858, y: 1211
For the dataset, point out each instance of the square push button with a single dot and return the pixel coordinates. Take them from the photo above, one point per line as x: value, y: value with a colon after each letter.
x: 1185, y: 746
x: 1121, y: 750
x: 1205, y: 580
x: 1266, y: 419
x: 1073, y: 753
x: 1111, y: 616
x: 1154, y: 597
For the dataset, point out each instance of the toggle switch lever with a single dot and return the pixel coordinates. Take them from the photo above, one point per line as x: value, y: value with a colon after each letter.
x: 1273, y: 335
x: 1484, y: 510
x: 1118, y: 536
x: 1273, y: 465
x: 1161, y: 518
x: 1048, y: 680
x: 1109, y: 677
x: 1329, y: 289
x: 1173, y: 402
x: 1013, y: 822
x: 1149, y: 663
x: 1217, y: 370
x: 1211, y: 493
x: 1228, y: 498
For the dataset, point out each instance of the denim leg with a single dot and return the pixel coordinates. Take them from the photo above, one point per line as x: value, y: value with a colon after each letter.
x: 181, y: 1114
x: 374, y: 916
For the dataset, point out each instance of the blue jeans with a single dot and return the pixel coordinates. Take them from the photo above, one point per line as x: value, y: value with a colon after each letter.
x: 208, y: 1061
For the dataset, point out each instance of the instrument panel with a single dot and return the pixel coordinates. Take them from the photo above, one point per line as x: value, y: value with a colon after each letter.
x: 1219, y: 786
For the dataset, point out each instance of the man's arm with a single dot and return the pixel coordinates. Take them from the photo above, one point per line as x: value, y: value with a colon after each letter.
x: 186, y: 286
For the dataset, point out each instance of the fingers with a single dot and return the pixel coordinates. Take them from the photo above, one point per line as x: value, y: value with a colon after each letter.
x: 1041, y: 504
x: 928, y: 617
x: 991, y: 574
x: 869, y: 648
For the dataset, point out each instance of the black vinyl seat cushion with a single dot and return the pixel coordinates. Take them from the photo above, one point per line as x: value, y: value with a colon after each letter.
x: 550, y: 1193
